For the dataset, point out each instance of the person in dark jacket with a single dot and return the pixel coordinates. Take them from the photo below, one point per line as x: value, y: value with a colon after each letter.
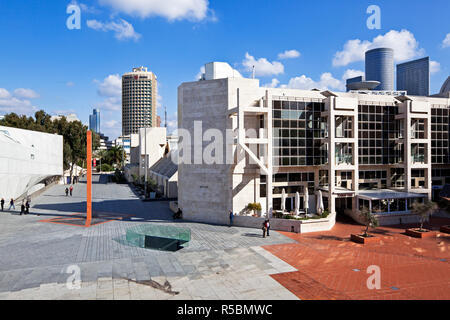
x: 27, y: 207
x: 268, y: 227
x: 231, y: 218
x: 22, y: 208
x: 2, y: 202
x: 11, y: 204
x: 264, y: 229
x: 67, y: 192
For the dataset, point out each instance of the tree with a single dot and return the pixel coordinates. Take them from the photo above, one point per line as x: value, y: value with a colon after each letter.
x: 369, y: 220
x: 423, y: 210
x: 116, y: 155
x: 253, y: 207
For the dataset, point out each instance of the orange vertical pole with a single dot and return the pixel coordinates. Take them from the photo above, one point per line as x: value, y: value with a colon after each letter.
x: 89, y: 178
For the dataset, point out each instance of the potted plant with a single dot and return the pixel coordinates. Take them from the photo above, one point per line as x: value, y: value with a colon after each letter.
x: 369, y: 221
x: 423, y: 210
x: 254, y: 207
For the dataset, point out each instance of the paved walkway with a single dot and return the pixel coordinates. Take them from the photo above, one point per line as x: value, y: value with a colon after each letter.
x: 219, y: 263
x: 332, y: 267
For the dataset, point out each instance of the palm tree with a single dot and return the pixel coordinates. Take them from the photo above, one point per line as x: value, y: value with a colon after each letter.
x: 116, y: 154
x: 423, y: 210
x: 369, y: 220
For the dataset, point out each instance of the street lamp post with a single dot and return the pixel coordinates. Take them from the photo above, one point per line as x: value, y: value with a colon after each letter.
x: 145, y: 180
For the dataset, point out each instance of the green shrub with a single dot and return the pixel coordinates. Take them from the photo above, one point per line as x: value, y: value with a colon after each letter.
x: 255, y: 207
x: 105, y: 168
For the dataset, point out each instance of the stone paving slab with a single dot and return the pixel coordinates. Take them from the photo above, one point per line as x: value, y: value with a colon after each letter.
x: 36, y: 255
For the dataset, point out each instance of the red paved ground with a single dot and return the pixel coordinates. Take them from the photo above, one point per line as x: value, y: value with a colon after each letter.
x: 326, y: 261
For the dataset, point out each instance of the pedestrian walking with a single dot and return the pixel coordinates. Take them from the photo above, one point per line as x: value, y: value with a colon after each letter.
x: 22, y: 207
x: 71, y: 190
x: 27, y: 207
x: 264, y: 229
x: 2, y: 202
x: 231, y: 218
x: 11, y: 204
x: 67, y: 192
x: 268, y: 227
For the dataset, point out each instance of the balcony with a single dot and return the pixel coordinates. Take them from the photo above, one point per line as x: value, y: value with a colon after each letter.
x: 344, y: 160
x: 418, y: 158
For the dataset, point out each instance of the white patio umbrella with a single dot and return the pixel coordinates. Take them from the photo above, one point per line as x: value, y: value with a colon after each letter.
x: 297, y: 203
x: 320, y: 207
x: 283, y: 200
x: 306, y: 199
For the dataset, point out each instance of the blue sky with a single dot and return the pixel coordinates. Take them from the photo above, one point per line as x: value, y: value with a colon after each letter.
x: 45, y: 65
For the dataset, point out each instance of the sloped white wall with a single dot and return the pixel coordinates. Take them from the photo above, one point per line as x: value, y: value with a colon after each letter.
x: 26, y: 158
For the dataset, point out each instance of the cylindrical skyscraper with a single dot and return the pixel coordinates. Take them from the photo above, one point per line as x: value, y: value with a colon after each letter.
x: 380, y: 67
x: 139, y: 94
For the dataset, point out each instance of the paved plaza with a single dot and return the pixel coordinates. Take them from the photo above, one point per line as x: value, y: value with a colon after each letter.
x: 219, y: 263
x: 38, y: 258
x: 330, y: 266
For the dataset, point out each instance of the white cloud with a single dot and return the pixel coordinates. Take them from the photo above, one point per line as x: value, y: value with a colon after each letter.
x: 111, y: 103
x: 351, y: 73
x: 289, y: 54
x: 326, y: 82
x: 86, y: 8
x: 273, y: 84
x: 200, y: 73
x: 111, y: 89
x: 4, y: 94
x: 434, y: 67
x: 111, y: 86
x: 70, y: 84
x: 172, y: 122
x: 403, y: 42
x: 26, y: 93
x: 262, y: 66
x: 110, y: 123
x: 195, y: 10
x: 446, y: 41
x: 123, y: 30
x: 18, y: 102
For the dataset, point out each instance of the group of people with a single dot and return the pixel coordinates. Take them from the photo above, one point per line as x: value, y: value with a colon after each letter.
x: 24, y: 208
x: 69, y: 190
x: 265, y: 225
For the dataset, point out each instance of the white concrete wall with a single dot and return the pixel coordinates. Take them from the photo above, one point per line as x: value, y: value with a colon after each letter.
x: 156, y: 142
x: 27, y: 158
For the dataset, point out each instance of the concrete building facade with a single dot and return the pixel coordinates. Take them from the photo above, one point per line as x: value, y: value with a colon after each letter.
x: 27, y: 158
x: 139, y: 100
x: 372, y: 150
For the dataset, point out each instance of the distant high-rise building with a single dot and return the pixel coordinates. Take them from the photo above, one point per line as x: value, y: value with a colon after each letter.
x: 380, y: 67
x: 414, y: 77
x: 158, y: 121
x: 94, y: 121
x: 139, y: 95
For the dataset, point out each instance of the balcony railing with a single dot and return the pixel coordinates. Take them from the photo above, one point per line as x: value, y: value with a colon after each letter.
x: 418, y: 158
x: 344, y: 159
